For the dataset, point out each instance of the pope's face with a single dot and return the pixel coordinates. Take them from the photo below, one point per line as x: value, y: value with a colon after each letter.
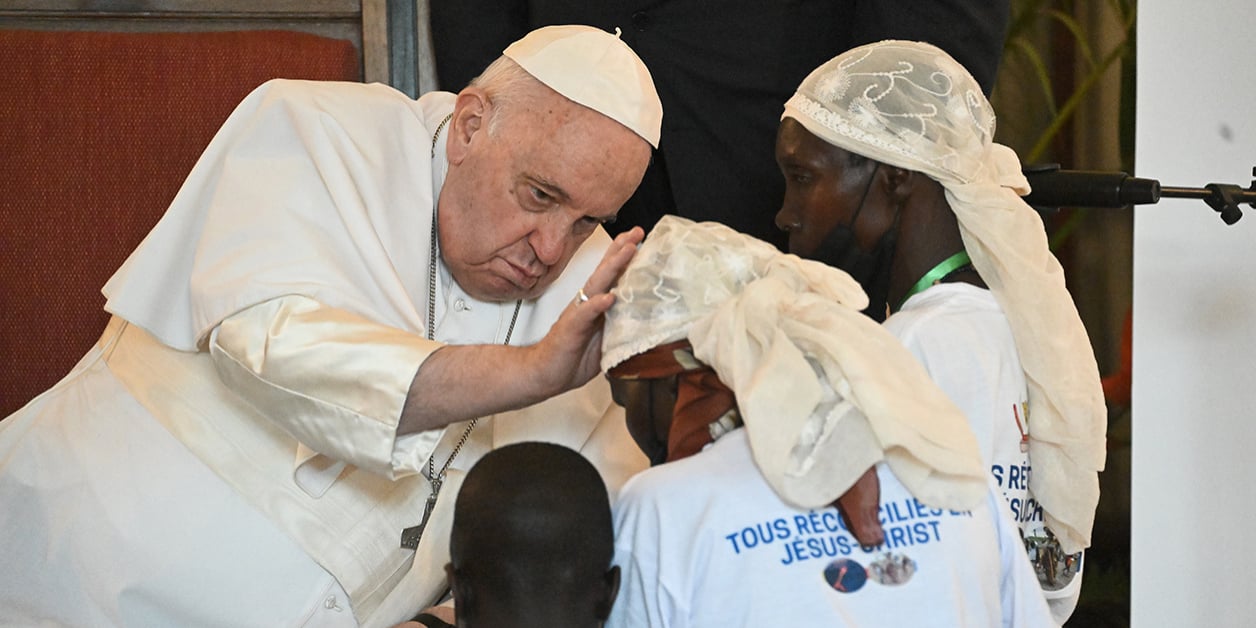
x: 520, y: 199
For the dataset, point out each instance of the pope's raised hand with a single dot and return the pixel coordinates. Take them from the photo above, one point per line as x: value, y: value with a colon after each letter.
x: 570, y: 354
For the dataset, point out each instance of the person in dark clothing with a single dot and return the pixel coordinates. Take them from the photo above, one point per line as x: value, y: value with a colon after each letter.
x: 722, y: 70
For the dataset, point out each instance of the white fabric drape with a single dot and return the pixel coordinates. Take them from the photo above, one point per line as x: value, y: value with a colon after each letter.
x: 309, y: 188
x: 909, y: 104
x: 769, y: 323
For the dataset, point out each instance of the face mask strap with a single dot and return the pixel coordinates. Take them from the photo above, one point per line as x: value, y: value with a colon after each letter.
x: 863, y: 198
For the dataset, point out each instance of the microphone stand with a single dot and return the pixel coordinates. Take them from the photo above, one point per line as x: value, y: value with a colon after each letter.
x: 1224, y: 198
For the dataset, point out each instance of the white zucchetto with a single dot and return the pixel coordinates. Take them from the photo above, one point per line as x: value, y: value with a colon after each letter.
x: 596, y: 69
x: 910, y: 105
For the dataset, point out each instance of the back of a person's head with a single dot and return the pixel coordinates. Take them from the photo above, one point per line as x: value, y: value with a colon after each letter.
x: 532, y: 540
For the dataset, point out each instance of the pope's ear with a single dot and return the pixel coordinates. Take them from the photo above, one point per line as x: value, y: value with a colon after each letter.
x: 471, y: 109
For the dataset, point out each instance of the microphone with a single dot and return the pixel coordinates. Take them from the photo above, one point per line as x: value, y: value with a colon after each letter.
x: 1051, y: 187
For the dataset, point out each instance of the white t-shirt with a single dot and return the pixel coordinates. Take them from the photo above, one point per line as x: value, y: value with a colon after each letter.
x: 961, y: 336
x: 705, y: 541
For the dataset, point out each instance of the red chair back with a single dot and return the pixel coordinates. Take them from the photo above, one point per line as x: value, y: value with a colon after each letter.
x: 97, y: 132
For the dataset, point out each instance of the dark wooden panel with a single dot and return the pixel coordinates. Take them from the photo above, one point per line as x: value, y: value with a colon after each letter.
x: 314, y: 9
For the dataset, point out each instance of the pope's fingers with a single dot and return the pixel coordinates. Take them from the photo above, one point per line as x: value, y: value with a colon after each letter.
x: 614, y: 261
x: 592, y: 304
x: 633, y: 236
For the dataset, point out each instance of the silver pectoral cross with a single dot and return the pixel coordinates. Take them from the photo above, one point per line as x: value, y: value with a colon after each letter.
x: 410, y: 536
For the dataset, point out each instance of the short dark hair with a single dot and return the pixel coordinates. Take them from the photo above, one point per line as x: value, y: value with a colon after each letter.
x: 532, y: 521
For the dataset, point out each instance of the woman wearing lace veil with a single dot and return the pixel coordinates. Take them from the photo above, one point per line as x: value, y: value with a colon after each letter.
x: 892, y: 174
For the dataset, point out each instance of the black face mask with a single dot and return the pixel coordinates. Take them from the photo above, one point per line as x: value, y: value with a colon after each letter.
x: 639, y: 396
x: 871, y: 269
x: 656, y: 452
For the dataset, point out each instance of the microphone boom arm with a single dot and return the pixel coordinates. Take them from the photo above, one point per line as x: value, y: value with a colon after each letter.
x: 1053, y: 188
x: 1224, y: 198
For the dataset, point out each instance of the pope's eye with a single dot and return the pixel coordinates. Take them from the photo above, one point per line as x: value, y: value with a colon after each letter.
x: 540, y: 195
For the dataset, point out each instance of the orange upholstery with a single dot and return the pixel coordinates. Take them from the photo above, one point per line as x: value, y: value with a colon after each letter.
x: 97, y: 132
x: 1117, y: 384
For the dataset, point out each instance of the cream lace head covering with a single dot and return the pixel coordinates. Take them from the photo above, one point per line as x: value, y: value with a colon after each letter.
x: 909, y: 104
x: 823, y: 390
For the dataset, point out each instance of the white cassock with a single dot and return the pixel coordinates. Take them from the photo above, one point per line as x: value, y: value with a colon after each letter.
x: 227, y: 454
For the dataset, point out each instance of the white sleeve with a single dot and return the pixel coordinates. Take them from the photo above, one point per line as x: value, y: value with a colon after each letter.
x: 611, y: 449
x: 335, y: 381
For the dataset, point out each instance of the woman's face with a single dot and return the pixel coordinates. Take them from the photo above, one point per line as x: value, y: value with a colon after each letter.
x: 648, y: 406
x: 826, y: 187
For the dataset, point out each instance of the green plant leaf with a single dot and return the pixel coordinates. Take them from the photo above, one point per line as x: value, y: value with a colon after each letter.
x: 1079, y: 93
x: 1034, y: 58
x: 1079, y: 34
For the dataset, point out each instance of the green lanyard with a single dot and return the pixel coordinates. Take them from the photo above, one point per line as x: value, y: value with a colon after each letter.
x: 946, y: 267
